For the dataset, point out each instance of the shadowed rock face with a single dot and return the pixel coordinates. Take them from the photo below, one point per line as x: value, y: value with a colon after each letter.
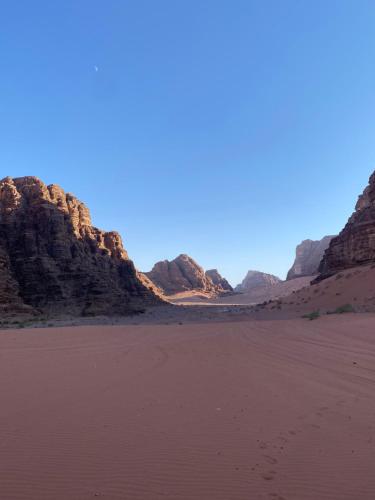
x: 218, y: 280
x: 355, y: 245
x: 309, y: 254
x: 257, y: 279
x: 179, y: 275
x: 53, y: 260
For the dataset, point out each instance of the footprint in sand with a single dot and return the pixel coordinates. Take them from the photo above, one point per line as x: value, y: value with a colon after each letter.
x: 262, y: 445
x: 315, y: 426
x: 269, y: 476
x: 270, y: 460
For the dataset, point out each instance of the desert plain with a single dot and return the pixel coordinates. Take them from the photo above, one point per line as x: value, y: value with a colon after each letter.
x: 276, y: 409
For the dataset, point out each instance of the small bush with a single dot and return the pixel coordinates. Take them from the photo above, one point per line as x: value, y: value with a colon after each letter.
x: 311, y: 316
x: 347, y: 308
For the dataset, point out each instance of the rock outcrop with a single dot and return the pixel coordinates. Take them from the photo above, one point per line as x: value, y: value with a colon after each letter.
x: 257, y: 279
x: 181, y: 274
x: 259, y: 287
x: 309, y: 254
x: 220, y: 282
x: 355, y: 245
x: 52, y: 259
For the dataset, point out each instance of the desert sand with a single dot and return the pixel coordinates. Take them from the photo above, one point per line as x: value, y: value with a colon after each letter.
x: 241, y: 410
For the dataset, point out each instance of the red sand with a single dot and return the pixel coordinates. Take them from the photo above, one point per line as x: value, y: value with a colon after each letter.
x: 276, y: 410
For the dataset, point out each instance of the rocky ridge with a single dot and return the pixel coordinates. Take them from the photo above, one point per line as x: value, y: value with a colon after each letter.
x: 218, y: 280
x: 309, y: 254
x: 355, y: 245
x: 183, y: 274
x: 52, y: 259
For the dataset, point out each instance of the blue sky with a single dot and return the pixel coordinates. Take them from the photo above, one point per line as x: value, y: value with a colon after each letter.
x: 226, y: 129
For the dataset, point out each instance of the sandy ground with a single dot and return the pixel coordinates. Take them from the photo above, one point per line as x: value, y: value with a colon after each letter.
x: 244, y: 410
x: 354, y: 287
x: 255, y: 296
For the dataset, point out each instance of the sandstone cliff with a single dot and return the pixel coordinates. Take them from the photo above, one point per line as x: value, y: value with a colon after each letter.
x: 355, y: 245
x: 53, y: 260
x: 309, y: 254
x: 181, y: 274
x: 220, y: 282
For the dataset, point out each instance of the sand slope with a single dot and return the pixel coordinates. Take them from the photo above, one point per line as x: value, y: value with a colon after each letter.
x: 354, y: 287
x: 220, y: 411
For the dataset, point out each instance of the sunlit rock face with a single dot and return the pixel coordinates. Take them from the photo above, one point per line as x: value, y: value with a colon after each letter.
x: 182, y: 274
x: 221, y: 283
x: 309, y: 254
x: 355, y: 245
x: 53, y: 260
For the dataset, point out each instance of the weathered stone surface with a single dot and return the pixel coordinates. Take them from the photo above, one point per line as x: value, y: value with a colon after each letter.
x: 220, y: 282
x: 53, y: 260
x: 257, y: 279
x: 309, y: 254
x: 355, y: 245
x: 181, y: 274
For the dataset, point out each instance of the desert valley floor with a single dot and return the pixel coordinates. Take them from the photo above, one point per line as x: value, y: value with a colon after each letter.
x: 213, y: 410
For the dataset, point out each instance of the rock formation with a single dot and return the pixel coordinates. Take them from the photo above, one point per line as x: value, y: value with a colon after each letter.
x: 258, y: 287
x: 257, y: 279
x: 181, y: 274
x: 355, y: 245
x: 53, y: 260
x: 309, y: 254
x: 220, y: 282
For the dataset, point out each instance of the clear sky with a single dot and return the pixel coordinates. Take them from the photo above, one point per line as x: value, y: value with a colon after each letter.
x: 226, y: 129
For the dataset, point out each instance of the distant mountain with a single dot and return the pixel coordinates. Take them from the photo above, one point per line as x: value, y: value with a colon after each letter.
x: 257, y: 279
x: 52, y: 259
x: 309, y: 254
x: 355, y: 245
x: 218, y: 280
x: 184, y: 274
x: 259, y: 287
x: 179, y: 275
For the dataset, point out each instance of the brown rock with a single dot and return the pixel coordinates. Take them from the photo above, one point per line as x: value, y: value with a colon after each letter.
x: 220, y: 282
x: 179, y: 275
x: 309, y: 254
x: 355, y: 245
x: 53, y: 260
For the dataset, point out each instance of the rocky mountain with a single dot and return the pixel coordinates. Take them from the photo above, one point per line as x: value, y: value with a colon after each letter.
x: 258, y: 287
x: 257, y: 279
x: 355, y: 245
x: 53, y: 260
x: 218, y: 280
x: 309, y: 254
x: 182, y: 274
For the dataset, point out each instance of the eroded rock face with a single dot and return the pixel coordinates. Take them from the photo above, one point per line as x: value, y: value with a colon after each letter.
x: 355, y: 245
x: 257, y: 279
x: 179, y: 275
x: 218, y: 280
x: 309, y: 254
x: 53, y: 260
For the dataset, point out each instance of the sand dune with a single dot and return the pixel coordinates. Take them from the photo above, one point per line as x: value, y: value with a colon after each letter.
x: 248, y: 410
x: 354, y: 287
